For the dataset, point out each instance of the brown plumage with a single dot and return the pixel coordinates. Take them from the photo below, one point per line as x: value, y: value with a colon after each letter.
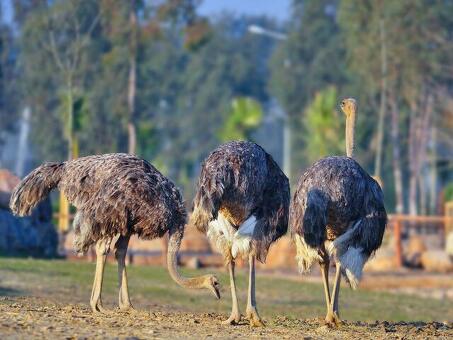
x: 115, y: 194
x: 242, y: 203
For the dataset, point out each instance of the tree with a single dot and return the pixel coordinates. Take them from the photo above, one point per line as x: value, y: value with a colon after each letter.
x: 57, y: 39
x: 230, y: 64
x: 311, y: 59
x: 245, y: 116
x: 404, y: 67
x: 323, y: 125
x: 8, y: 74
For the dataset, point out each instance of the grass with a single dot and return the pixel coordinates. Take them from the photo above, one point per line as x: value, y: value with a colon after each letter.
x: 151, y: 287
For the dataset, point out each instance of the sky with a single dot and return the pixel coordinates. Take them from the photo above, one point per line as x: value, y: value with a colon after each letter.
x: 278, y: 9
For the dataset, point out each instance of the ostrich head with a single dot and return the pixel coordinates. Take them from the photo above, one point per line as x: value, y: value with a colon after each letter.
x: 212, y: 283
x: 349, y: 107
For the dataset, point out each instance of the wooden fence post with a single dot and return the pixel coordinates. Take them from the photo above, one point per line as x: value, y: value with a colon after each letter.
x: 398, y: 245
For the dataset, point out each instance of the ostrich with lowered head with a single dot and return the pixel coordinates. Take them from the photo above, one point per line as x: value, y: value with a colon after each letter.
x: 115, y: 194
x: 242, y: 203
x: 337, y: 209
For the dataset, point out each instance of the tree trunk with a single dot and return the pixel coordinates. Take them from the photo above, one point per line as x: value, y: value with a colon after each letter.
x: 132, y: 83
x: 418, y: 139
x: 396, y: 162
x: 422, y: 192
x: 413, y: 159
x: 70, y: 117
x: 383, y: 102
x: 425, y: 128
x: 433, y: 173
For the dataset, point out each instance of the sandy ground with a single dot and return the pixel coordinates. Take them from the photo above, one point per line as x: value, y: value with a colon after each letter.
x: 31, y: 317
x: 49, y: 300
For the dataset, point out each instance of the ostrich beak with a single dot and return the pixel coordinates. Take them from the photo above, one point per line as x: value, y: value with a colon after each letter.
x: 215, y: 287
x: 343, y: 106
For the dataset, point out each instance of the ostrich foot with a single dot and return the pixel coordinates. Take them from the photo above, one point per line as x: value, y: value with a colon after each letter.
x: 254, y: 318
x: 333, y: 320
x: 97, y: 308
x: 127, y: 308
x: 234, y: 319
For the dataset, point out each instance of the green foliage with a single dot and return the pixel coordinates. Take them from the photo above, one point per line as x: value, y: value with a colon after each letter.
x: 311, y: 59
x: 9, y: 91
x: 324, y: 127
x: 190, y: 70
x: 245, y: 116
x: 448, y: 192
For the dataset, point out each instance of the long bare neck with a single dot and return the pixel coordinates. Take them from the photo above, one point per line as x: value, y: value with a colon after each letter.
x: 174, y: 243
x: 350, y: 133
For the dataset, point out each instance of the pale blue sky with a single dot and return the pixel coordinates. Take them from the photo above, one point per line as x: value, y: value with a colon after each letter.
x: 278, y: 9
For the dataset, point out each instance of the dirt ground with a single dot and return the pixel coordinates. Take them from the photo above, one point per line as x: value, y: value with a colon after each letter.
x: 31, y: 317
x: 49, y: 300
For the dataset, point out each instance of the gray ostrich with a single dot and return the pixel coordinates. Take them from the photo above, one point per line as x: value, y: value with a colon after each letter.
x: 242, y: 203
x: 337, y: 209
x: 115, y: 194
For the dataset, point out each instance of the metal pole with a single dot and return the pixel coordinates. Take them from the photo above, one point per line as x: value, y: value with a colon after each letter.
x: 398, y: 246
x: 23, y: 140
x: 287, y: 147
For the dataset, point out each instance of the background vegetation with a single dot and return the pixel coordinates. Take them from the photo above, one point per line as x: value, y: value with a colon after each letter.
x: 158, y: 79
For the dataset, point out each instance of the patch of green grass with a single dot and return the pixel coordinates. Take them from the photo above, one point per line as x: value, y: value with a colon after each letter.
x: 151, y: 286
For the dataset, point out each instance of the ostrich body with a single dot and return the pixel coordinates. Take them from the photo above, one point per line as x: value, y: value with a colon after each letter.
x: 115, y: 194
x: 242, y: 203
x: 337, y: 209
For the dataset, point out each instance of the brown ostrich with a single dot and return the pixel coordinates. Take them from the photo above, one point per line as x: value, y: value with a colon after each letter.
x: 242, y: 203
x: 115, y: 195
x: 337, y: 209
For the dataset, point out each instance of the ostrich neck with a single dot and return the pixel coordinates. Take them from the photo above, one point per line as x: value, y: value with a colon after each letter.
x: 172, y: 263
x: 350, y: 130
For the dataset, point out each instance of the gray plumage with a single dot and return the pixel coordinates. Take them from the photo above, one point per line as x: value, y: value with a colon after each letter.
x: 241, y: 179
x: 335, y: 197
x: 113, y: 193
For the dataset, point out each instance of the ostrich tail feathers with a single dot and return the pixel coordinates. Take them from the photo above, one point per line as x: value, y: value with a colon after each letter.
x: 305, y: 255
x: 206, y: 203
x: 35, y: 187
x: 200, y: 218
x: 349, y: 249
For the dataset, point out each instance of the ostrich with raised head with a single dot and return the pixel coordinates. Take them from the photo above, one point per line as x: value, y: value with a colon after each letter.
x: 115, y: 195
x: 337, y: 210
x: 242, y: 204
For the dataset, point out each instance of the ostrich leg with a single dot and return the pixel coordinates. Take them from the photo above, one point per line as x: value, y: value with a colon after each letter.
x: 120, y: 254
x: 252, y: 312
x: 235, y: 316
x: 333, y: 315
x: 325, y: 279
x: 102, y: 249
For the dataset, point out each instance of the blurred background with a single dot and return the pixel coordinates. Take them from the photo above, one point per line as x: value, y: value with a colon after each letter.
x: 169, y: 80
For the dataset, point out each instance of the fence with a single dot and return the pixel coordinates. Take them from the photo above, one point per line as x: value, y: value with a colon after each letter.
x: 401, y: 223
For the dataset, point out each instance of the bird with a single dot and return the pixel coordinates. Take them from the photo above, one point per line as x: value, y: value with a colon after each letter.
x: 337, y: 210
x: 116, y: 195
x: 242, y: 204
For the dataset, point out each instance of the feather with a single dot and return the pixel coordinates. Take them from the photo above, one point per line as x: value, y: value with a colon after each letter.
x: 336, y: 200
x: 113, y: 193
x: 243, y: 179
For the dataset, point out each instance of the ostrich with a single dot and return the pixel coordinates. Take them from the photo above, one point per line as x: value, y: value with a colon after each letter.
x: 337, y: 209
x: 242, y: 203
x: 115, y: 194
